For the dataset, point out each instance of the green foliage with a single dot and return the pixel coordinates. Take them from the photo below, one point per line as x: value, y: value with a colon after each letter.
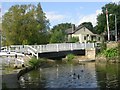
x: 110, y: 53
x: 62, y: 26
x: 58, y: 33
x: 103, y: 46
x: 70, y: 57
x: 25, y: 24
x: 37, y: 62
x: 73, y: 39
x: 101, y: 26
x: 34, y: 62
x: 119, y: 50
x: 57, y: 37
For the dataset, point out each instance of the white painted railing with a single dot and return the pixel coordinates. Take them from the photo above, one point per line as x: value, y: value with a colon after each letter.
x: 35, y: 49
x: 18, y: 48
x: 62, y: 47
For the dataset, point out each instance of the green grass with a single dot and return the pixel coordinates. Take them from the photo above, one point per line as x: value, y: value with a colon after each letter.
x: 70, y: 57
x: 110, y: 53
x: 34, y: 62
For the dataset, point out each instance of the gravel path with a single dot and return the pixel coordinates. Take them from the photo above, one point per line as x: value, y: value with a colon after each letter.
x: 0, y: 73
x: 9, y: 80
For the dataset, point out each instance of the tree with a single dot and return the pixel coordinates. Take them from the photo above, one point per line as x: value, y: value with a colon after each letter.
x: 25, y: 24
x: 41, y: 19
x: 58, y: 33
x: 62, y: 26
x: 73, y: 39
x: 57, y: 37
x: 101, y: 18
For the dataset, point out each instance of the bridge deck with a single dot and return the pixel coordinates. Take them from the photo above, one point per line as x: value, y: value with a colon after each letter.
x: 36, y: 49
x: 10, y: 54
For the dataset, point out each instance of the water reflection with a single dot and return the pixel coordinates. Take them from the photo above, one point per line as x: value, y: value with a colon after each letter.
x: 108, y: 75
x: 62, y: 76
x: 88, y: 75
x: 57, y: 70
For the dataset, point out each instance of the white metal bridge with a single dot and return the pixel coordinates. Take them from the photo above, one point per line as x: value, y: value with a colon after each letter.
x: 35, y: 49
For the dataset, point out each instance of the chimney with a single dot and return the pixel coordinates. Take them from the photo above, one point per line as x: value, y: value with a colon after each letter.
x: 73, y: 28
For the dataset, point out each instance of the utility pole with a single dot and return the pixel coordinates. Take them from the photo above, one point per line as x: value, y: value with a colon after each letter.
x: 0, y: 40
x: 107, y: 25
x: 0, y: 30
x: 115, y: 27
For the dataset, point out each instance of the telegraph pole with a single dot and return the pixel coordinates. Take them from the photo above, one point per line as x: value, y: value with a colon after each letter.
x: 0, y: 39
x: 0, y: 30
x: 115, y: 28
x: 107, y: 25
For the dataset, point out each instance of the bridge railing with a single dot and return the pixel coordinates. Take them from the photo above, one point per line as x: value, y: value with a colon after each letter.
x: 34, y: 49
x: 31, y: 49
x: 23, y: 49
x: 62, y: 47
x: 18, y: 48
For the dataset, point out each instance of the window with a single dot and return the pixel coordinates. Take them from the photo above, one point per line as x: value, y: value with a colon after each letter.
x: 98, y: 38
x: 84, y: 37
x: 87, y: 35
x: 84, y: 28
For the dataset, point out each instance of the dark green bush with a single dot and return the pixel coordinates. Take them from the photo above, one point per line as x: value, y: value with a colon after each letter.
x: 70, y: 57
x: 73, y: 39
x: 103, y: 46
x: 34, y: 62
x: 110, y: 53
x: 119, y: 50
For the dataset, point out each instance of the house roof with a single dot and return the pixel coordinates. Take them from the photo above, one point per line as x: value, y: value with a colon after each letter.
x: 70, y: 31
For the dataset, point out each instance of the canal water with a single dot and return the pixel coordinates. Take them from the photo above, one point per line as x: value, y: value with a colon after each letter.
x: 86, y: 75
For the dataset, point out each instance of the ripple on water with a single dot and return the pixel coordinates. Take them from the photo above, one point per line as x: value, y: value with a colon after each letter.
x: 66, y: 76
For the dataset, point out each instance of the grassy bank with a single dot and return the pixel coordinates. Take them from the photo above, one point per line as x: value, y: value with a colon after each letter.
x: 110, y: 54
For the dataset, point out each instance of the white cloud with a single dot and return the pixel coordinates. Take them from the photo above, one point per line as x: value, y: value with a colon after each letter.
x: 116, y: 1
x: 90, y: 18
x: 98, y: 12
x: 54, y: 16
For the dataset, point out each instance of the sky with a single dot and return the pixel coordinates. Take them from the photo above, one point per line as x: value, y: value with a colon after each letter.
x: 62, y: 12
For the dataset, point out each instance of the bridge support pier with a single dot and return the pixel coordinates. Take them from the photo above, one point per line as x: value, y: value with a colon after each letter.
x: 90, y: 53
x: 37, y: 56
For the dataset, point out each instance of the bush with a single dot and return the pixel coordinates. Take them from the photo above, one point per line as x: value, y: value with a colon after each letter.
x: 70, y: 57
x: 103, y: 46
x: 119, y: 50
x: 73, y: 39
x: 110, y: 53
x: 34, y: 62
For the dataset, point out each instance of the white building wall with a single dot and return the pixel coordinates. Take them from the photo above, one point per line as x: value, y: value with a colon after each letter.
x: 81, y: 33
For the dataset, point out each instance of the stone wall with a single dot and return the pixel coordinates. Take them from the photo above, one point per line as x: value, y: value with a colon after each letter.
x: 90, y: 53
x: 112, y: 45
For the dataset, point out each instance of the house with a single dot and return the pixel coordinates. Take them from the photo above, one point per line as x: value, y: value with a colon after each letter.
x: 83, y: 33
